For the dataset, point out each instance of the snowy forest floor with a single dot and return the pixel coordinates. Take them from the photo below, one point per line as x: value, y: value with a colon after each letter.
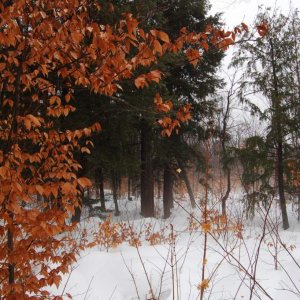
x: 153, y: 258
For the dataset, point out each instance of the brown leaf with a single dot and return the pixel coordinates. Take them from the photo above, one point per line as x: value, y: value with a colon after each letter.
x: 84, y: 182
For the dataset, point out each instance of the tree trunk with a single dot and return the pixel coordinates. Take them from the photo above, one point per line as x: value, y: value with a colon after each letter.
x: 97, y: 184
x: 89, y: 193
x: 119, y: 185
x: 280, y: 181
x: 77, y: 215
x: 6, y: 149
x: 82, y: 159
x: 100, y: 187
x: 168, y: 191
x: 129, y: 188
x: 187, y: 183
x: 277, y: 126
x: 10, y: 247
x: 147, y: 187
x: 158, y: 182
x: 225, y: 197
x: 225, y: 157
x: 114, y: 181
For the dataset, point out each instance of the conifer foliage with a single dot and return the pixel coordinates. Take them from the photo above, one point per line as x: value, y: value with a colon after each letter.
x: 48, y: 49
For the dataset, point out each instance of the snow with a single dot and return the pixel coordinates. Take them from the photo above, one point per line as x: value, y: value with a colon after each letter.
x: 173, y: 269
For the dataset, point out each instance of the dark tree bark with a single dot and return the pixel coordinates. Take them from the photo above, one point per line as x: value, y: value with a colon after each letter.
x: 277, y: 126
x: 168, y: 191
x: 6, y: 150
x: 10, y: 247
x: 89, y: 193
x: 119, y: 184
x: 280, y: 181
x: 100, y: 187
x: 228, y: 188
x: 82, y: 159
x: 129, y: 182
x: 226, y: 168
x: 158, y: 182
x: 114, y: 185
x: 77, y: 215
x: 187, y: 183
x: 147, y: 186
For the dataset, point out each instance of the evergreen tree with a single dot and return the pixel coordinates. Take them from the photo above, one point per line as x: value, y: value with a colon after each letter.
x: 272, y: 69
x: 129, y: 115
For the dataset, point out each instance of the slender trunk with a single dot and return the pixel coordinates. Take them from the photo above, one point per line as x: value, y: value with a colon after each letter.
x: 6, y: 149
x: 280, y: 179
x: 296, y: 47
x: 114, y: 181
x: 101, y: 189
x: 10, y: 247
x: 78, y: 209
x: 129, y: 188
x: 77, y: 215
x: 205, y: 218
x: 225, y: 154
x: 187, y: 183
x: 277, y: 123
x: 158, y: 181
x: 225, y: 197
x: 97, y: 184
x: 147, y: 187
x: 119, y: 185
x: 168, y: 191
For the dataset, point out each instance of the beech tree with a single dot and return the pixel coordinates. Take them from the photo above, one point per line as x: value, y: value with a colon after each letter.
x: 47, y: 50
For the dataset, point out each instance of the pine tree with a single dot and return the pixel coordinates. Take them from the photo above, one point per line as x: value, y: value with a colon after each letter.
x: 271, y: 70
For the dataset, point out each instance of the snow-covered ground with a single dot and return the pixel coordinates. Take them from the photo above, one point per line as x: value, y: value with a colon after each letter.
x: 172, y: 267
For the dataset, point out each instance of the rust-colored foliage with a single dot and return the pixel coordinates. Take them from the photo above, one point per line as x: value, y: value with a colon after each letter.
x: 47, y: 50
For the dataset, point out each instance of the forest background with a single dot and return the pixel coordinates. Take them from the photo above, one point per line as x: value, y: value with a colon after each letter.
x: 128, y: 97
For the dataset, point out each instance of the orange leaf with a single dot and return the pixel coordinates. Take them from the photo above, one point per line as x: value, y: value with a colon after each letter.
x: 158, y: 99
x: 140, y: 81
x: 18, y: 186
x: 164, y: 37
x: 157, y: 47
x: 204, y: 45
x: 35, y: 97
x: 3, y: 171
x: 96, y: 127
x: 84, y: 182
x: 39, y: 189
x: 68, y: 98
x: 245, y: 27
x: 27, y: 123
x: 193, y: 56
x: 9, y: 102
x: 203, y: 285
x: 154, y: 75
x: 77, y: 36
x: 166, y: 132
x: 85, y: 150
x: 131, y: 24
x: 142, y: 33
x: 34, y: 120
x: 206, y: 227
x: 67, y: 188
